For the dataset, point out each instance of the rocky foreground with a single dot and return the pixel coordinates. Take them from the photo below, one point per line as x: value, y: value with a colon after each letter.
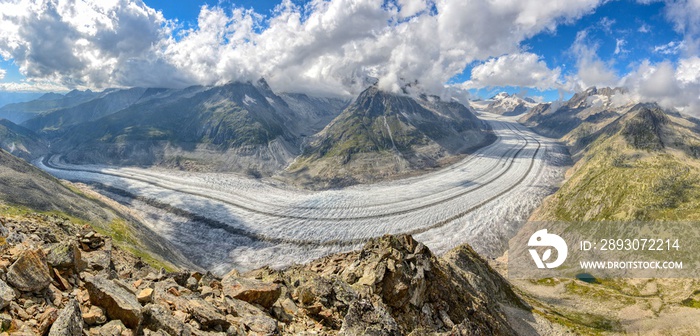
x: 58, y: 278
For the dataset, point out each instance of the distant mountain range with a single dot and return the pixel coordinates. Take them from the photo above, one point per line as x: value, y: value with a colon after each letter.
x: 246, y: 127
x: 49, y: 102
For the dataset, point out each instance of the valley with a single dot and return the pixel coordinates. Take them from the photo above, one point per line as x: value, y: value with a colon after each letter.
x: 225, y: 220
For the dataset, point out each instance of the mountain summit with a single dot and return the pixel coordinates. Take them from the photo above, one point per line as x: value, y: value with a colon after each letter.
x: 383, y: 134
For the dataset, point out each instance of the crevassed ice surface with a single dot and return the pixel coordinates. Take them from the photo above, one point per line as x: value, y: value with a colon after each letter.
x: 247, y: 223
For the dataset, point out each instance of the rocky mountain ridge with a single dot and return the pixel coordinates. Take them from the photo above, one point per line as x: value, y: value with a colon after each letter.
x: 21, y: 112
x: 59, y: 278
x: 594, y: 105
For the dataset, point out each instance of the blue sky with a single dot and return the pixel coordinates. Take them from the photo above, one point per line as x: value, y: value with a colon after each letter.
x: 334, y: 44
x: 642, y: 27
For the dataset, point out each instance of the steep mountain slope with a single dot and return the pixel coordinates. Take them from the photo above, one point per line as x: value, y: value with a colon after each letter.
x: 314, y: 113
x: 24, y: 189
x: 20, y: 141
x: 634, y: 162
x: 644, y: 165
x: 237, y: 126
x: 509, y: 105
x: 110, y: 102
x: 21, y: 112
x: 383, y: 135
x: 593, y: 105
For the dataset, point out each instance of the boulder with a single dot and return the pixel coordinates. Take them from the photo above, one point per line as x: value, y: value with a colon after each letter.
x: 260, y: 324
x: 113, y: 328
x: 119, y: 303
x: 69, y: 321
x: 157, y: 317
x: 7, y: 294
x: 65, y: 256
x: 99, y: 260
x: 206, y: 314
x: 30, y: 272
x: 250, y: 290
x: 363, y: 318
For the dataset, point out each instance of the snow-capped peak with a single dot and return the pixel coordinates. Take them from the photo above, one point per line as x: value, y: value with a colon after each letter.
x: 504, y: 103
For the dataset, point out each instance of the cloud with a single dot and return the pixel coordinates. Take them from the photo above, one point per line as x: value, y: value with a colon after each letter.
x: 591, y: 70
x: 644, y: 28
x: 40, y: 86
x: 3, y: 72
x: 671, y: 48
x: 328, y: 47
x: 606, y: 24
x: 688, y: 71
x: 519, y: 69
x: 620, y: 46
x: 79, y: 43
x: 342, y: 42
x: 672, y: 87
x: 411, y: 7
x: 685, y: 15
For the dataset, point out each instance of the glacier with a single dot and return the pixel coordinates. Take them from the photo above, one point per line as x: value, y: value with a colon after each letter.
x: 229, y: 220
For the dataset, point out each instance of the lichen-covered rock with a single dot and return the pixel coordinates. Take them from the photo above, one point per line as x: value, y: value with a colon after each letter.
x: 119, y: 303
x: 6, y: 295
x: 364, y: 318
x: 157, y: 317
x: 206, y: 314
x: 69, y: 322
x: 112, y: 328
x: 250, y: 290
x: 30, y: 272
x: 65, y: 256
x: 259, y: 325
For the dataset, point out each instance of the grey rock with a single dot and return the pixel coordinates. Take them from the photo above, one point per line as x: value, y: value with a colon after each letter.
x: 206, y: 314
x: 154, y: 333
x: 113, y: 328
x: 363, y: 318
x: 7, y: 294
x: 260, y: 324
x: 65, y: 256
x: 69, y: 322
x: 157, y: 317
x: 5, y: 321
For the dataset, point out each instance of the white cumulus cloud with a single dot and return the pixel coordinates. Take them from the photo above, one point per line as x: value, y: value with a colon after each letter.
x: 591, y: 69
x: 671, y: 86
x: 519, y: 69
x: 328, y: 47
